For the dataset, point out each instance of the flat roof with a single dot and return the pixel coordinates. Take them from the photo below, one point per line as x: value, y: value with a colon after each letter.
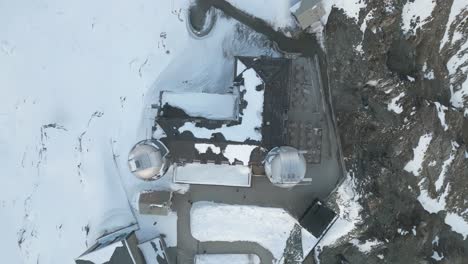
x: 206, y: 105
x: 213, y: 174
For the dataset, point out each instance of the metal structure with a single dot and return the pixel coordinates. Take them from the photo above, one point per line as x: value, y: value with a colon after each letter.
x: 285, y: 166
x: 309, y: 13
x: 148, y: 159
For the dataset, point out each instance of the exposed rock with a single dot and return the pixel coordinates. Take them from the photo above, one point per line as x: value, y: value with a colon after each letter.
x: 381, y: 115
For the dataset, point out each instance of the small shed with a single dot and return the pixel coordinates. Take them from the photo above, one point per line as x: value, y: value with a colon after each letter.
x: 309, y: 13
x: 155, y: 202
x: 318, y: 219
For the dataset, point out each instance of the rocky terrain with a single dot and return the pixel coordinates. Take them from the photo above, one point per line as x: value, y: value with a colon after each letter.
x: 393, y: 98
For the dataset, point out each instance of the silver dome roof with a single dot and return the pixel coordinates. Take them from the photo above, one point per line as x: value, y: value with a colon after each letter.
x: 147, y: 160
x: 285, y: 166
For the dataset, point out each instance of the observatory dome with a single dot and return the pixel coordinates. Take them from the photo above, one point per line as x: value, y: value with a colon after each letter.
x: 148, y: 160
x: 285, y: 166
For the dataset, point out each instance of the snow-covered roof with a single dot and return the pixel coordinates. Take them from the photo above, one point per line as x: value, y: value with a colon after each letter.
x: 207, y: 105
x: 213, y: 174
x: 251, y: 116
x: 102, y: 255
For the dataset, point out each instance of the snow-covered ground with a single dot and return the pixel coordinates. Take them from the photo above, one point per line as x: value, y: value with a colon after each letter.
x: 452, y: 36
x: 72, y: 77
x: 414, y: 166
x: 415, y: 14
x: 441, y: 114
x: 456, y: 65
x: 436, y: 204
x: 276, y: 13
x: 394, y: 106
x: 269, y: 227
x: 76, y: 82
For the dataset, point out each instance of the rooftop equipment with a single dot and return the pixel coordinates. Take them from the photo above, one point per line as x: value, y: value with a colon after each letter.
x: 285, y: 166
x: 148, y: 159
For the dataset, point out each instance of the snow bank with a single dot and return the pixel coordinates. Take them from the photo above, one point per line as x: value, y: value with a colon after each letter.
x: 457, y: 223
x: 227, y: 259
x: 275, y: 12
x: 394, y: 105
x: 269, y: 227
x: 436, y: 256
x: 415, y: 14
x: 72, y: 81
x: 441, y: 114
x: 414, y: 166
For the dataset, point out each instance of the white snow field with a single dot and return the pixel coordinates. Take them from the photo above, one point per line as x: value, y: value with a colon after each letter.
x: 77, y: 79
x: 414, y: 166
x: 269, y: 227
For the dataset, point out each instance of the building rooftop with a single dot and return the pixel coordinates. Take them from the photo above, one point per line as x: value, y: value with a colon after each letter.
x: 148, y: 159
x: 275, y: 104
x: 285, y: 166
